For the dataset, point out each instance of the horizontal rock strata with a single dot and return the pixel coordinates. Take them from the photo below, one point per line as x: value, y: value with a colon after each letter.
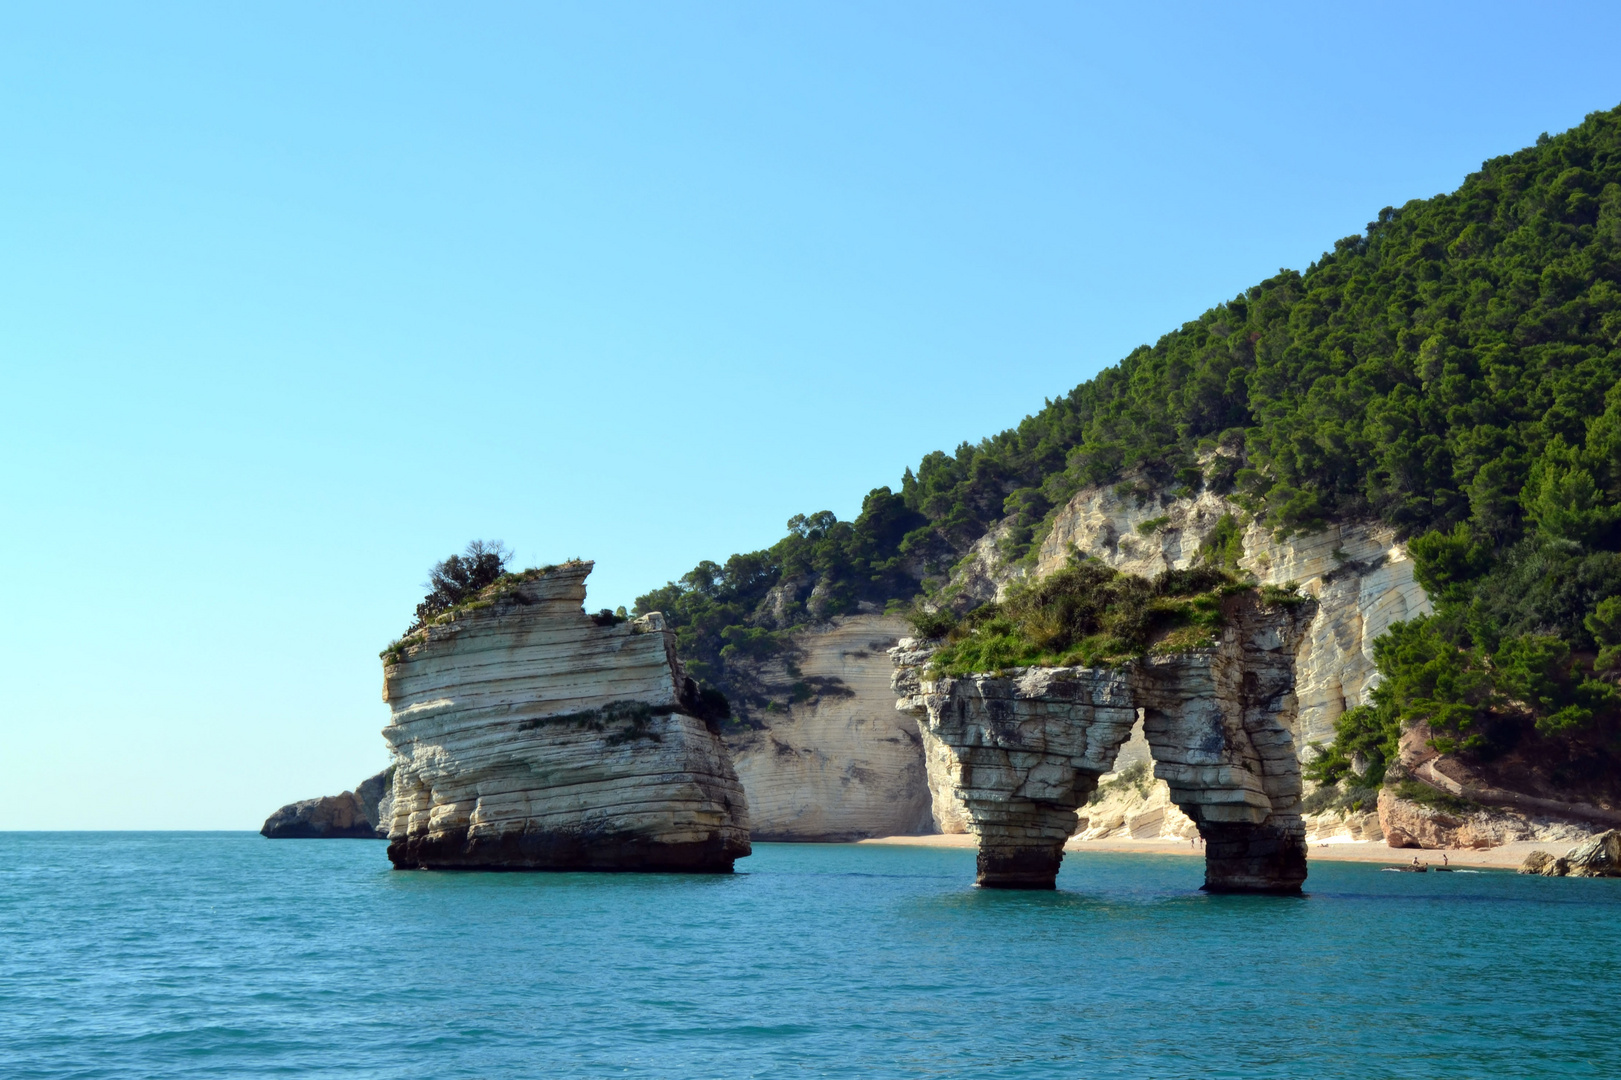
x: 1132, y: 805
x: 1360, y: 575
x: 527, y: 735
x: 836, y: 762
x: 1026, y: 748
x: 1343, y: 827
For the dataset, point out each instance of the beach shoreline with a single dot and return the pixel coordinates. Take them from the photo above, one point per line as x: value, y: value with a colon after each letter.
x: 1504, y: 857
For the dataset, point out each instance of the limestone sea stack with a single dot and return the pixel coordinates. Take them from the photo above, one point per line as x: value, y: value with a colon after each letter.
x: 528, y: 735
x: 1025, y: 748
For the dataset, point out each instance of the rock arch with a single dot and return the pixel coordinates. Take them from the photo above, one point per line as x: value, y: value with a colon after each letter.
x: 1026, y: 749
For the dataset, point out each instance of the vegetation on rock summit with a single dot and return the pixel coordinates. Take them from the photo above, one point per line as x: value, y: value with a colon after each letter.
x: 1085, y: 615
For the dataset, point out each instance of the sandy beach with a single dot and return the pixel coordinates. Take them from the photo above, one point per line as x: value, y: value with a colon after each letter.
x: 1506, y: 857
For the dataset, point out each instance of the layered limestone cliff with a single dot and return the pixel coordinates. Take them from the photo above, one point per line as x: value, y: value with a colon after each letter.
x: 1362, y: 579
x: 836, y: 761
x: 1132, y: 805
x: 1024, y: 749
x: 529, y: 735
x: 1359, y: 574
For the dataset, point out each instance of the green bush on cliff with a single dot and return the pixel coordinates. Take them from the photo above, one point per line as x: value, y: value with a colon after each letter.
x: 468, y: 582
x: 1088, y: 615
x: 459, y: 578
x: 1348, y: 798
x: 1451, y: 371
x: 1139, y: 778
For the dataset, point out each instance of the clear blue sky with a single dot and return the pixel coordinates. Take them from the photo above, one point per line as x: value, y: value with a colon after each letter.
x: 296, y: 299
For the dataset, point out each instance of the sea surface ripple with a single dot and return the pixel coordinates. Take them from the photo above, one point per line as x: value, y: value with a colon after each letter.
x: 227, y: 955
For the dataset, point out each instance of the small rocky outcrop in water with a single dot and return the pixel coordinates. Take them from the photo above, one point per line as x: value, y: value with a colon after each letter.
x: 351, y: 815
x: 1598, y: 857
x: 529, y: 735
x: 1026, y: 747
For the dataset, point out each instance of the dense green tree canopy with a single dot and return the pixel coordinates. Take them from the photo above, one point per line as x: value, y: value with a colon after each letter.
x: 1452, y: 371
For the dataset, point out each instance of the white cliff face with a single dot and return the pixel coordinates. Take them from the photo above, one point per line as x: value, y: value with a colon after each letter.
x: 983, y: 574
x: 527, y: 736
x: 1107, y: 526
x: 1130, y: 805
x: 841, y: 764
x: 1360, y: 575
x: 1362, y: 578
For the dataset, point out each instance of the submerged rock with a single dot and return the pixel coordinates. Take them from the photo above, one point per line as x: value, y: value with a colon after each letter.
x: 529, y: 735
x: 351, y: 815
x: 1025, y: 748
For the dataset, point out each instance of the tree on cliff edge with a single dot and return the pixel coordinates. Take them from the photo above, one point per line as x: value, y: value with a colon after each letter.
x: 461, y: 576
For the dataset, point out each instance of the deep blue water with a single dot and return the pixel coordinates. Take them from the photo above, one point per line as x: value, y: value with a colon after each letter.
x: 227, y: 955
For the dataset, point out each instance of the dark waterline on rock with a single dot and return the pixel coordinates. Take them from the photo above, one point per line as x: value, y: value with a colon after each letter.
x: 210, y: 954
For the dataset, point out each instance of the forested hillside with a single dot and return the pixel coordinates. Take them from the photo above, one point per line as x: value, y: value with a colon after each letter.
x: 1451, y: 371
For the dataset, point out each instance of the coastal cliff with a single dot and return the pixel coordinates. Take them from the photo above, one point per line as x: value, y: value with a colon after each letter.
x: 529, y: 735
x: 833, y: 761
x: 1359, y: 575
x: 1025, y: 748
x: 1415, y: 406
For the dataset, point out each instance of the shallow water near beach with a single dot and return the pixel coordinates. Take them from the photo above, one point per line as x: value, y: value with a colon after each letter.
x: 224, y: 954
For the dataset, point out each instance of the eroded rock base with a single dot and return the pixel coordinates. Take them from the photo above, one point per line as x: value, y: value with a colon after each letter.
x: 1253, y: 858
x: 458, y: 850
x: 1027, y: 855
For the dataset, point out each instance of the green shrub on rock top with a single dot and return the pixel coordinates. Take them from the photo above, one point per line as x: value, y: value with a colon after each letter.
x: 1088, y: 615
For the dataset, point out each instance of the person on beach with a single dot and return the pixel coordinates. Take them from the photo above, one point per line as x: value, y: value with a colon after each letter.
x: 1443, y: 858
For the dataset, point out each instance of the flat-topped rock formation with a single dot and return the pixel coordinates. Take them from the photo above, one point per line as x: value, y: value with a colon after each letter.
x: 835, y: 761
x: 1025, y: 748
x: 528, y: 735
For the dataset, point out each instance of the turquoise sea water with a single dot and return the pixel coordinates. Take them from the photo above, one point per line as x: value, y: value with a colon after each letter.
x: 227, y: 955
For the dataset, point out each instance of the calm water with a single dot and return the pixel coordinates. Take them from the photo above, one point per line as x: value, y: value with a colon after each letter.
x: 223, y: 954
